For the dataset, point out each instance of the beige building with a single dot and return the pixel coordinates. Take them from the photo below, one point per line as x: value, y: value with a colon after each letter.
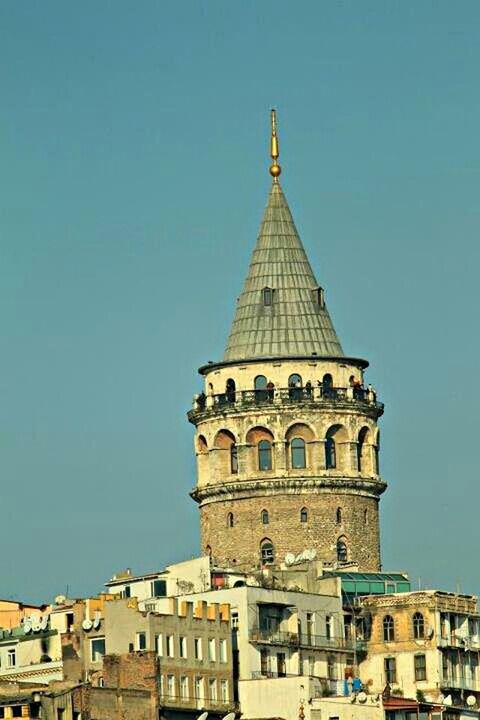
x: 424, y: 644
x: 286, y: 440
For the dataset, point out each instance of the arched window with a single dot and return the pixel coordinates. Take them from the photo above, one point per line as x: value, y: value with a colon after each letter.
x: 233, y: 459
x: 342, y: 555
x: 339, y: 516
x: 261, y: 392
x: 388, y: 629
x: 376, y: 448
x: 202, y: 446
x: 267, y: 552
x: 230, y: 521
x: 304, y: 515
x: 295, y: 387
x: 298, y: 454
x: 418, y: 626
x: 264, y: 455
x: 230, y: 390
x: 320, y: 296
x: 208, y: 551
x: 330, y: 453
x: 264, y: 515
x: 327, y: 385
x: 362, y: 437
x: 267, y: 296
x: 365, y: 517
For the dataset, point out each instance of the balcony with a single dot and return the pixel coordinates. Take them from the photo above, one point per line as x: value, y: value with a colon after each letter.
x: 302, y: 640
x: 460, y: 683
x: 40, y: 672
x: 194, y: 703
x: 314, y: 396
x: 325, y: 687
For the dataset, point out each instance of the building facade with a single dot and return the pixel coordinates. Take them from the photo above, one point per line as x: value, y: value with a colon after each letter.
x: 287, y: 442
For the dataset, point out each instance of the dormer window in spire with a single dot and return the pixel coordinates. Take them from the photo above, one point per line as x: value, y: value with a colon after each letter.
x: 319, y: 297
x: 267, y: 296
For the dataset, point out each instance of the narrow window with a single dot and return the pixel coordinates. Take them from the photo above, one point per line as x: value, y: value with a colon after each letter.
x: 321, y: 297
x: 197, y: 644
x: 388, y: 629
x: 299, y: 459
x: 327, y: 384
x: 171, y: 685
x: 230, y: 388
x: 420, y: 666
x: 304, y: 515
x: 295, y: 390
x: 418, y: 626
x: 233, y: 459
x: 265, y: 519
x: 339, y: 516
x: 342, y: 555
x: 212, y: 689
x: 261, y: 392
x: 365, y: 517
x: 330, y: 453
x: 97, y: 649
x: 267, y: 552
x: 12, y: 658
x: 141, y: 641
x: 199, y: 688
x: 170, y: 646
x: 390, y: 670
x: 183, y: 647
x: 230, y: 521
x: 264, y: 455
x: 184, y: 687
x: 212, y: 652
x: 267, y: 296
x: 223, y: 648
x: 224, y: 691
x: 159, y: 644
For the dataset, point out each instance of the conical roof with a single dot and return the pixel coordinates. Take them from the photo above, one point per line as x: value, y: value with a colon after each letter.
x: 292, y: 321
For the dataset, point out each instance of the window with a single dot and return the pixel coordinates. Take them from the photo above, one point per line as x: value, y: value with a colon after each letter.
x: 299, y: 458
x: 331, y: 668
x: 230, y: 520
x: 320, y: 297
x: 170, y: 646
x: 212, y: 689
x: 264, y: 455
x: 420, y: 666
x: 141, y: 641
x: 223, y: 649
x: 327, y: 383
x: 281, y: 665
x: 388, y: 629
x: 328, y: 626
x: 212, y: 653
x: 230, y: 389
x: 418, y: 626
x: 224, y: 691
x: 199, y: 688
x: 342, y: 555
x: 390, y: 666
x: 339, y: 516
x: 261, y: 392
x: 265, y: 517
x: 126, y: 592
x: 159, y: 644
x: 159, y: 588
x: 184, y: 687
x: 97, y: 649
x: 267, y: 296
x: 362, y: 438
x: 150, y: 607
x: 264, y: 661
x: 197, y: 644
x: 295, y: 387
x: 267, y: 552
x: 171, y: 685
x: 304, y: 515
x: 330, y: 453
x: 233, y: 459
x: 365, y: 517
x: 182, y: 646
x: 17, y: 711
x: 377, y: 454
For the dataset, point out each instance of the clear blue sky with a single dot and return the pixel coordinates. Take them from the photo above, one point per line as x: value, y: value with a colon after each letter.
x: 133, y: 174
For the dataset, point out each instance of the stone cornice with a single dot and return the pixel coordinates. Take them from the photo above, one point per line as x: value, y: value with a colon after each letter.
x: 241, y: 490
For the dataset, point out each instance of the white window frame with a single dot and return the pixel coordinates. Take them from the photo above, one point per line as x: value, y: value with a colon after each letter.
x: 212, y: 649
x: 199, y: 690
x: 212, y: 685
x: 170, y: 646
x: 171, y: 686
x: 223, y: 651
x: 92, y: 656
x: 140, y: 634
x: 183, y: 646
x: 198, y: 648
x: 224, y: 691
x: 12, y: 657
x: 184, y: 687
x: 159, y: 638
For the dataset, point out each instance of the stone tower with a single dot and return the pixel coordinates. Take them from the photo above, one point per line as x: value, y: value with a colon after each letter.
x: 286, y: 440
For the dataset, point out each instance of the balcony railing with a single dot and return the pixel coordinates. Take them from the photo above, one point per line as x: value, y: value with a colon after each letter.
x: 304, y: 640
x: 197, y: 703
x: 282, y: 396
x: 460, y: 683
x: 326, y: 686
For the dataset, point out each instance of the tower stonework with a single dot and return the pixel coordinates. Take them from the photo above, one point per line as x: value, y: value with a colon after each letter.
x: 287, y: 442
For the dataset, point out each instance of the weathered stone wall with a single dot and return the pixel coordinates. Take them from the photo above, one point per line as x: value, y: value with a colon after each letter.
x: 240, y: 544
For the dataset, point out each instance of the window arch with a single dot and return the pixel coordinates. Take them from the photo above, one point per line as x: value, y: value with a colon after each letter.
x: 208, y: 550
x: 267, y: 296
x: 388, y: 629
x: 260, y: 385
x: 327, y: 385
x: 342, y: 554
x: 335, y: 453
x: 265, y: 455
x: 330, y: 453
x: 304, y: 515
x: 233, y: 459
x: 267, y: 552
x: 298, y: 453
x: 230, y: 520
x: 418, y: 626
x: 295, y: 387
x: 202, y: 446
x: 361, y: 449
x: 230, y: 390
x: 376, y: 449
x: 265, y: 517
x: 338, y: 516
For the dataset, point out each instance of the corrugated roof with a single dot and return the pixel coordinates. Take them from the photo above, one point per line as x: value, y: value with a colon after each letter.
x: 295, y: 324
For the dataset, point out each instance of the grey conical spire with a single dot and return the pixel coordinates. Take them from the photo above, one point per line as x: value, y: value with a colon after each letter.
x: 292, y: 320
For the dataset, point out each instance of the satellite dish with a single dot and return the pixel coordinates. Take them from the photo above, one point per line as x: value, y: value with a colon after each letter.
x: 87, y: 625
x: 203, y: 716
x: 447, y: 700
x: 36, y: 627
x: 310, y: 554
x: 60, y: 599
x: 289, y: 558
x: 471, y: 700
x: 44, y: 623
x: 8, y: 631
x: 229, y: 716
x: 96, y: 622
x: 27, y: 627
x: 362, y: 697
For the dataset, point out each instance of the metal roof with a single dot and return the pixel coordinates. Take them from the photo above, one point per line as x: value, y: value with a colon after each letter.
x: 295, y: 324
x: 358, y: 576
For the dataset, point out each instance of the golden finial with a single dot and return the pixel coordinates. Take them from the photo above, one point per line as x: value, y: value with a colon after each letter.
x: 275, y: 168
